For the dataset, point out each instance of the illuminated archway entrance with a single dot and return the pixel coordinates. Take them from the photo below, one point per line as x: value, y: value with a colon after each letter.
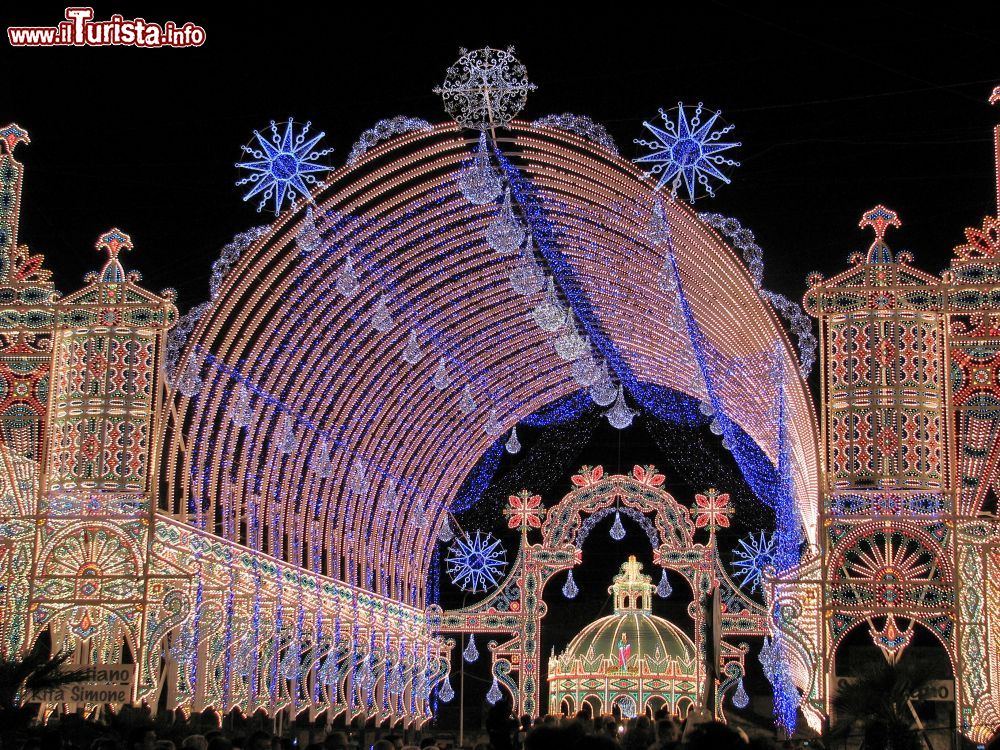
x: 516, y: 608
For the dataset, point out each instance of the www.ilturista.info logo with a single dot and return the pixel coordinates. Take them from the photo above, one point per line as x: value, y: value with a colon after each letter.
x: 81, y: 30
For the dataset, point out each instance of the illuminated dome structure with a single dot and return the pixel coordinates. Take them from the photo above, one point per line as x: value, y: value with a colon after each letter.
x: 631, y: 661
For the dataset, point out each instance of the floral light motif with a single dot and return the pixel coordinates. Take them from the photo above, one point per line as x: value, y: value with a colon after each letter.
x: 485, y: 88
x: 689, y: 150
x: 282, y: 165
x: 476, y: 562
x: 524, y: 511
x: 711, y: 511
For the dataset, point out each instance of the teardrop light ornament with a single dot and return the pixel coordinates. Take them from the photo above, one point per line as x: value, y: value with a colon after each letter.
x: 602, y: 390
x: 658, y: 232
x: 447, y: 692
x: 585, y: 370
x: 190, y: 382
x: 617, y: 530
x: 242, y: 410
x: 441, y: 379
x: 549, y: 315
x: 570, y: 589
x: 308, y: 238
x: 571, y: 345
x: 513, y: 445
x: 505, y: 233
x: 411, y: 353
x: 467, y: 404
x: 392, y: 497
x: 493, y: 426
x: 494, y: 693
x: 347, y: 279
x: 527, y: 278
x: 446, y: 534
x: 287, y: 442
x: 620, y: 416
x: 740, y: 697
x: 478, y: 181
x: 321, y: 463
x: 471, y: 653
x: 663, y: 588
x: 381, y: 318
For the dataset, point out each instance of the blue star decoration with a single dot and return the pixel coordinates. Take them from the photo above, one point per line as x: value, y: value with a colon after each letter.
x: 476, y: 562
x: 688, y: 150
x: 752, y: 558
x: 282, y: 165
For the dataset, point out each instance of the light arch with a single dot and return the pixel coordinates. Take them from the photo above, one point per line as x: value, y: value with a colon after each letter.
x: 279, y: 327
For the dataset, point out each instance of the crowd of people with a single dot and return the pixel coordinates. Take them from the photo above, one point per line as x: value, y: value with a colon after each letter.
x: 502, y: 732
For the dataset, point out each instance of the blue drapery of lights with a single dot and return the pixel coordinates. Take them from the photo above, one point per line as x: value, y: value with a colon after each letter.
x: 764, y: 478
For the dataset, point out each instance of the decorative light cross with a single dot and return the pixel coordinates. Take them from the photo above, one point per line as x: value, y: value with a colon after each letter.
x: 712, y: 510
x: 524, y: 510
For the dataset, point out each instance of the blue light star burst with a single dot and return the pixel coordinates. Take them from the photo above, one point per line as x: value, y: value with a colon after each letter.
x: 753, y: 556
x: 476, y: 562
x: 282, y: 164
x: 687, y: 150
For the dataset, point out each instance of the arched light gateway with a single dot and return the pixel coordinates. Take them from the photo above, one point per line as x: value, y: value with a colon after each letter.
x: 363, y: 354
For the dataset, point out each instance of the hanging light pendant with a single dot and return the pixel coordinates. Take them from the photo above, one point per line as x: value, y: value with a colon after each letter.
x: 446, y: 534
x: 619, y: 415
x: 471, y: 653
x: 467, y: 404
x: 493, y: 426
x: 505, y: 233
x: 617, y: 530
x: 513, y: 445
x: 740, y: 697
x: 527, y: 278
x: 287, y: 442
x: 347, y: 280
x: 603, y: 391
x: 441, y: 379
x: 663, y: 588
x: 570, y: 589
x: 381, y: 318
x: 411, y: 353
x: 190, y: 382
x: 242, y: 411
x: 478, y: 181
x: 494, y: 693
x: 548, y: 314
x: 447, y: 692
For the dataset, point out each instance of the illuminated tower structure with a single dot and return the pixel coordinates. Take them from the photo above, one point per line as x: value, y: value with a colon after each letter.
x: 910, y: 408
x: 27, y: 298
x: 888, y: 490
x: 80, y: 392
x: 973, y: 306
x: 95, y: 515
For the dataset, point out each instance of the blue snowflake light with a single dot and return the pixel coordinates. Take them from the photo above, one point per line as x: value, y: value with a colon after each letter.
x: 476, y: 562
x: 753, y: 556
x: 687, y: 150
x: 282, y: 164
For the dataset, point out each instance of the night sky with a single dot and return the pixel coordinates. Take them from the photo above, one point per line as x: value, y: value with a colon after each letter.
x: 836, y: 113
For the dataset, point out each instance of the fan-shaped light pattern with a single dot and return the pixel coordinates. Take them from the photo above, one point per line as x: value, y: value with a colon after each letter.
x: 280, y: 326
x: 476, y: 562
